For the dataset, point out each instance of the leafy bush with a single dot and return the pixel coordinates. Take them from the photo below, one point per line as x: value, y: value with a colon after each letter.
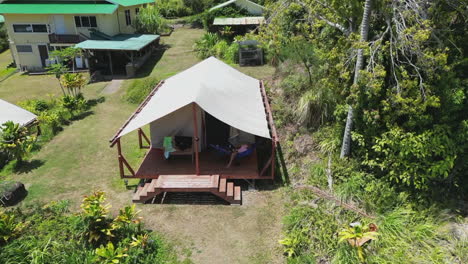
x: 139, y: 89
x: 150, y: 21
x: 3, y: 38
x: 211, y: 44
x: 51, y: 234
x: 204, y: 46
x: 173, y: 8
x: 15, y: 141
x: 74, y: 103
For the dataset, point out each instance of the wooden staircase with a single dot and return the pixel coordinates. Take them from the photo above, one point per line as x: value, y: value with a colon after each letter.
x: 222, y: 188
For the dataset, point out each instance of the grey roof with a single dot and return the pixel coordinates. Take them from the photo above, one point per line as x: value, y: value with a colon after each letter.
x: 11, y: 112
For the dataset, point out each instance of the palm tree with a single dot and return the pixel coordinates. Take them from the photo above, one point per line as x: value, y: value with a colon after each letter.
x: 346, y: 145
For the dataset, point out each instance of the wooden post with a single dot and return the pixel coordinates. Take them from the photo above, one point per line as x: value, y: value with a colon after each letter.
x: 140, y: 140
x: 195, y: 137
x: 119, y: 151
x: 131, y: 58
x: 110, y: 62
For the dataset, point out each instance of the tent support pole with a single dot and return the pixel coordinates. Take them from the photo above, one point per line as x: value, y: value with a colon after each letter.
x: 195, y: 137
x: 119, y: 151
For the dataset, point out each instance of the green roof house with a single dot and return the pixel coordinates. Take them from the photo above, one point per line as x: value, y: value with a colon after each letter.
x: 102, y: 28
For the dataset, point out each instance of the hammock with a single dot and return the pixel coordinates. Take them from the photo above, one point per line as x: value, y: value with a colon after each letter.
x: 225, y: 151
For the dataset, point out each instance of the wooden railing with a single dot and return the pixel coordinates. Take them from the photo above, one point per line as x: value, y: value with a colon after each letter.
x: 64, y: 38
x: 123, y: 162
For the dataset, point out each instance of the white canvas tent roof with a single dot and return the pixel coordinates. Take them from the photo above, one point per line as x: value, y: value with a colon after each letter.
x: 11, y: 112
x: 217, y: 88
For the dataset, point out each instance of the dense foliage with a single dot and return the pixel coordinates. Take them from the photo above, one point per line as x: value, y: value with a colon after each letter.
x: 150, y: 21
x: 15, y: 142
x: 181, y: 8
x: 409, y: 122
x: 51, y: 234
x: 4, y: 44
x: 212, y: 44
x: 405, y: 81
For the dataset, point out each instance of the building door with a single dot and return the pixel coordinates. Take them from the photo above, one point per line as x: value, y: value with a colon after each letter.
x: 59, y: 22
x: 43, y: 53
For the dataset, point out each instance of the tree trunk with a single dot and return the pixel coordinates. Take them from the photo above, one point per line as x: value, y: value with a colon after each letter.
x: 346, y: 145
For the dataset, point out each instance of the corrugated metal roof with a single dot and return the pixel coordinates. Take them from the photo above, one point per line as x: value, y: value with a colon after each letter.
x: 131, y: 2
x: 120, y: 42
x: 38, y: 7
x: 225, y: 21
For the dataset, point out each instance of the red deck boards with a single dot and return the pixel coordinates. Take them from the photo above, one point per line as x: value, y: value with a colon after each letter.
x: 154, y: 164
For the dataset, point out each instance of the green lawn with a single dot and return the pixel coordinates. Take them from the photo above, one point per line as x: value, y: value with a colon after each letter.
x: 79, y: 160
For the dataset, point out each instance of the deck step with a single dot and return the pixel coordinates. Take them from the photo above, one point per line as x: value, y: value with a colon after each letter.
x: 136, y: 195
x: 230, y: 189
x: 222, y: 185
x: 237, y: 193
x: 145, y: 189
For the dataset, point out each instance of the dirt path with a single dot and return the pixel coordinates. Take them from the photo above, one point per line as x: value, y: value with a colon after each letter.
x: 113, y: 86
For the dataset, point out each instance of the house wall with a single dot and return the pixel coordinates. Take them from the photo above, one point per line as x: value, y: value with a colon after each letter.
x: 124, y: 28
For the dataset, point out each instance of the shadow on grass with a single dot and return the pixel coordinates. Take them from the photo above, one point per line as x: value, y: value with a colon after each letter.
x: 281, y: 172
x: 81, y: 116
x: 149, y: 65
x: 96, y: 101
x: 27, y: 166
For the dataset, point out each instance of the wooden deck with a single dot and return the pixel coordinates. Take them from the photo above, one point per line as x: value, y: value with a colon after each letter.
x: 154, y: 164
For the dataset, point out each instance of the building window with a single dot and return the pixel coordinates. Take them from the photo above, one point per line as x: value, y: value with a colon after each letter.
x: 137, y: 11
x: 30, y: 28
x: 85, y: 21
x: 23, y: 48
x: 128, y: 19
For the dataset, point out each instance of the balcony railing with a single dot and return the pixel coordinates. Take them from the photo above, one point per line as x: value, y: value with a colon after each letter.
x: 64, y: 38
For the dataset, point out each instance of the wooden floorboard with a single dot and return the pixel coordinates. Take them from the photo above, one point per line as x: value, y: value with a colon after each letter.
x: 187, y: 181
x: 154, y: 164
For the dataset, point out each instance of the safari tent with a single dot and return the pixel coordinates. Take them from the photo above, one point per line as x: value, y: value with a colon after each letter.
x: 204, y: 106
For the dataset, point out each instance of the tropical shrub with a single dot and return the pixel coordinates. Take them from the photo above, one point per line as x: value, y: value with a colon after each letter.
x: 150, y: 21
x: 16, y: 141
x: 53, y: 113
x: 51, y: 234
x: 9, y: 226
x: 173, y: 8
x: 211, y: 44
x: 74, y: 103
x: 204, y: 46
x: 139, y: 89
x: 73, y: 83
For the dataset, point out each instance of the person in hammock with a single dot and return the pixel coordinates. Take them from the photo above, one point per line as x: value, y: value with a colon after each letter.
x: 241, y: 141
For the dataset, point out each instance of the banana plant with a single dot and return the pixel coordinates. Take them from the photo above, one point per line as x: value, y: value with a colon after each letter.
x: 357, y: 235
